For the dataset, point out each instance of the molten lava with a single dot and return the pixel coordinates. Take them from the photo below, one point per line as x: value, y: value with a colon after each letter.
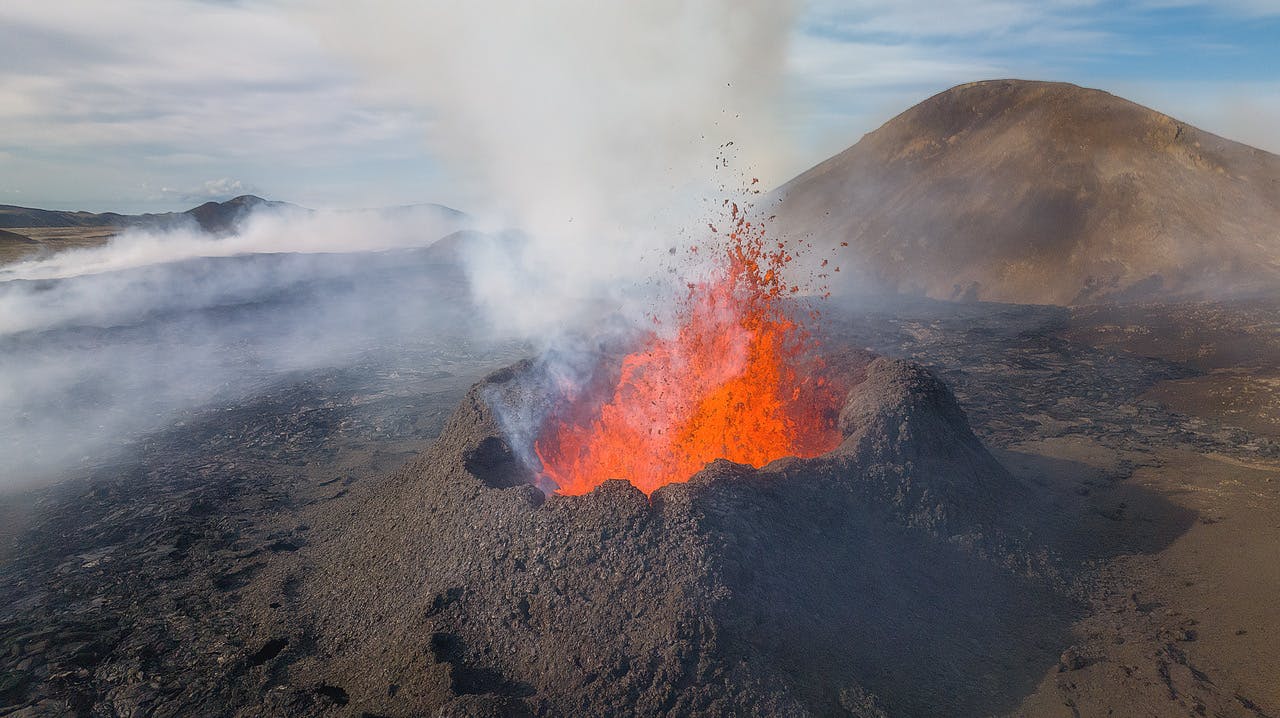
x: 737, y: 380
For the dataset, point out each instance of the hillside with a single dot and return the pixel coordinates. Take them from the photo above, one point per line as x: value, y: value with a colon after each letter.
x: 14, y: 246
x: 219, y: 217
x: 1042, y: 192
x: 13, y: 216
x: 211, y: 216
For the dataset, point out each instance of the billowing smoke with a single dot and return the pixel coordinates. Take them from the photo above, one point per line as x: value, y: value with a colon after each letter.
x: 100, y: 345
x: 605, y: 133
x: 110, y: 292
x: 595, y: 126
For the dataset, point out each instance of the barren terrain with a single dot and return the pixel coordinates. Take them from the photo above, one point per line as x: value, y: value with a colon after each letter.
x: 25, y: 242
x: 150, y: 582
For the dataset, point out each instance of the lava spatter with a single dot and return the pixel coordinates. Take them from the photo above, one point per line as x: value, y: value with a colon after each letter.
x: 738, y: 379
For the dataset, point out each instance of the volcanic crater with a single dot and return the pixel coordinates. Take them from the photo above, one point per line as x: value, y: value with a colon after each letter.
x: 796, y: 588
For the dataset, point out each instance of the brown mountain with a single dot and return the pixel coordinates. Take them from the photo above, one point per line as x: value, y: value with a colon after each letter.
x: 1042, y: 192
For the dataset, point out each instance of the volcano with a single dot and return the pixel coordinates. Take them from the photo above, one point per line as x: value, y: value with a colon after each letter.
x: 1046, y: 193
x: 783, y: 590
x: 716, y: 517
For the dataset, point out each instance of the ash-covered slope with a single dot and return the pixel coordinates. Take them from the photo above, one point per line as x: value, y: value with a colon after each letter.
x: 1038, y: 192
x: 874, y: 578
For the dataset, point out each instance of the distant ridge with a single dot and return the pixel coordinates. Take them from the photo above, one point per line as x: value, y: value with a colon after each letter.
x: 215, y: 217
x: 13, y: 216
x: 221, y: 217
x: 1040, y: 192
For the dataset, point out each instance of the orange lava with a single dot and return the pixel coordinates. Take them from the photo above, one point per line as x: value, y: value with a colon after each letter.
x: 737, y: 380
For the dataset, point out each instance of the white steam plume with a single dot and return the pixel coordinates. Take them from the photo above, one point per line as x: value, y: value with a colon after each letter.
x: 592, y: 125
x: 99, y: 346
x: 263, y: 231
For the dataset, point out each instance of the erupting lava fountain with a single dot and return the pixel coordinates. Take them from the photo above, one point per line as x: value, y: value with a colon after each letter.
x: 738, y: 378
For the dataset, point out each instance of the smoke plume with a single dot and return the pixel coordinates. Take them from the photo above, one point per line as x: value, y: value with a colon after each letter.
x: 594, y: 126
x: 98, y: 346
x: 599, y: 130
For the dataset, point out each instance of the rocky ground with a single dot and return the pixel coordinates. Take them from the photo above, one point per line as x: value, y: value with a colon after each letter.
x: 143, y: 586
x: 120, y: 585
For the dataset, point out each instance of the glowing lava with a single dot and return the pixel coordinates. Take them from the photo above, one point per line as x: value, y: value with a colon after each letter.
x: 737, y: 380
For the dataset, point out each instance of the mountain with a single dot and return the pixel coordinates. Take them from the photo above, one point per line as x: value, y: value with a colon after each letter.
x: 215, y: 217
x: 820, y: 587
x: 220, y: 217
x: 12, y: 216
x: 1040, y: 192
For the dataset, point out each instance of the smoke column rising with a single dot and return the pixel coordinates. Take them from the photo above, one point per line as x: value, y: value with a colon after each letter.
x: 594, y: 126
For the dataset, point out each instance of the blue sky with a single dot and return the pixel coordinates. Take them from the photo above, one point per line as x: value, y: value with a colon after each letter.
x: 160, y: 104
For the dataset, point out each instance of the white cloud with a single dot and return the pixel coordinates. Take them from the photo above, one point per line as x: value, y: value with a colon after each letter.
x: 824, y: 63
x: 109, y: 101
x: 1018, y: 21
x: 222, y: 188
x: 134, y: 81
x: 1248, y: 8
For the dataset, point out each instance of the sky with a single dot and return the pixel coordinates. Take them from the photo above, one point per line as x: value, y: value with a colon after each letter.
x: 154, y: 105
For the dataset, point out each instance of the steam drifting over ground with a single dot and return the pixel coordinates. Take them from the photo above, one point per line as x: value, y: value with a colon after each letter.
x: 99, y: 345
x: 608, y: 146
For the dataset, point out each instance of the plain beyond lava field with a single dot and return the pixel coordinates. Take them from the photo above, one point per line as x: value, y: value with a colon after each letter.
x: 142, y: 585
